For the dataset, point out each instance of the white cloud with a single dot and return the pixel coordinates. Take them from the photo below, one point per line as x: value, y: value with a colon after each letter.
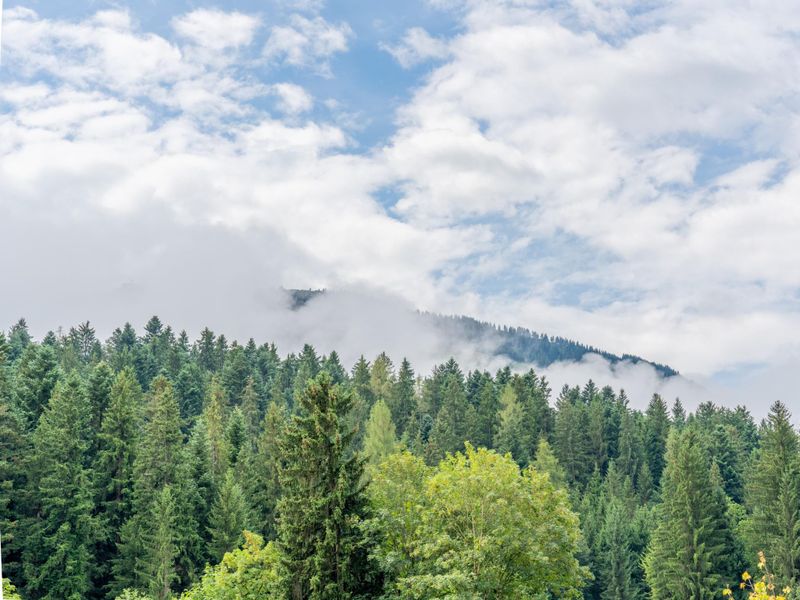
x: 293, y: 99
x: 417, y: 46
x: 596, y: 121
x: 216, y: 29
x: 632, y: 174
x: 307, y: 42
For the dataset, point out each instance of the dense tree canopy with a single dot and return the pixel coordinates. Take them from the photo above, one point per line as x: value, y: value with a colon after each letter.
x: 150, y: 467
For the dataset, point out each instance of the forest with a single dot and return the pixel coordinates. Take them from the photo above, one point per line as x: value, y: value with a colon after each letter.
x: 151, y: 466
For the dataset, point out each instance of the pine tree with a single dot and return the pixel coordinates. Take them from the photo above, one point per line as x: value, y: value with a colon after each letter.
x: 235, y: 374
x: 13, y: 450
x: 36, y: 375
x: 214, y: 417
x: 655, y: 436
x: 160, y: 461
x: 235, y: 436
x: 678, y: 414
x: 380, y: 439
x: 488, y: 413
x: 228, y: 519
x: 59, y: 539
x: 510, y: 435
x: 450, y: 426
x: 773, y: 494
x: 325, y: 555
x: 262, y: 467
x: 570, y: 440
x: 190, y: 390
x: 113, y: 465
x: 332, y: 365
x: 617, y: 558
x: 546, y: 462
x: 403, y: 401
x: 18, y: 340
x: 689, y: 546
x: 99, y: 392
x: 160, y: 545
x: 251, y: 410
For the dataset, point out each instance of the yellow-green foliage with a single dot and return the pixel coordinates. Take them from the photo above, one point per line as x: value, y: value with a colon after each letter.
x: 474, y: 527
x: 764, y: 587
x: 249, y: 573
x: 9, y: 591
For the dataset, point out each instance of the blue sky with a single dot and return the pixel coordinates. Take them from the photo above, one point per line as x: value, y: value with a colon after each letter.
x: 618, y: 173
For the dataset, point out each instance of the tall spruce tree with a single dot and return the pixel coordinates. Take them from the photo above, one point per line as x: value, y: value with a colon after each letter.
x: 325, y: 553
x: 113, y: 466
x: 380, y: 439
x: 687, y: 557
x: 160, y: 543
x: 655, y: 436
x: 59, y: 538
x: 262, y: 468
x: 773, y: 495
x: 402, y: 401
x: 229, y: 517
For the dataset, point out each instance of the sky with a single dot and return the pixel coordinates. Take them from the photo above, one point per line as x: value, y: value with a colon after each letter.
x: 620, y: 172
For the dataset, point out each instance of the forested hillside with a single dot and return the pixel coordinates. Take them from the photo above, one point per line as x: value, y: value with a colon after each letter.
x: 515, y: 344
x: 152, y: 466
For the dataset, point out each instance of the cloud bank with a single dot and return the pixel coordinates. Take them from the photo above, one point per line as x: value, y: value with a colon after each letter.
x: 618, y: 174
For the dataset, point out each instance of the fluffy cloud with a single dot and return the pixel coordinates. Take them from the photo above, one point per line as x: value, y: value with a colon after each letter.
x: 621, y: 175
x: 600, y: 122
x: 215, y: 29
x: 417, y: 46
x: 307, y: 42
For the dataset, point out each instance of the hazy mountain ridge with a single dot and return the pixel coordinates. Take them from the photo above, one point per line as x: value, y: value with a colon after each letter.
x: 518, y: 344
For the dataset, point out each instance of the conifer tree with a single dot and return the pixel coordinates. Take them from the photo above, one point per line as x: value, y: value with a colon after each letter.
x: 655, y: 437
x: 773, y: 494
x: 113, y: 465
x: 98, y: 391
x: 251, y: 410
x: 510, y: 435
x: 13, y: 448
x: 325, y: 554
x: 618, y: 561
x: 381, y: 377
x: 546, y: 462
x: 678, y: 414
x: 262, y: 467
x: 332, y: 365
x: 687, y: 554
x: 402, y: 400
x: 380, y: 439
x: 235, y: 374
x: 450, y: 426
x: 214, y: 417
x: 190, y: 390
x: 160, y: 545
x: 60, y: 536
x: 36, y: 375
x: 228, y: 518
x: 571, y: 442
x: 160, y: 461
x: 235, y: 436
x: 488, y: 413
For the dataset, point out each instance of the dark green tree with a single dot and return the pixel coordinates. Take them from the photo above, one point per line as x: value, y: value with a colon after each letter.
x: 60, y: 536
x: 228, y: 518
x: 690, y: 546
x: 773, y: 494
x: 325, y: 552
x: 36, y: 375
x: 655, y: 436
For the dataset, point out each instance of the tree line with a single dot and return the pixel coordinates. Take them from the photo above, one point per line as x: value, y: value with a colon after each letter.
x: 150, y: 466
